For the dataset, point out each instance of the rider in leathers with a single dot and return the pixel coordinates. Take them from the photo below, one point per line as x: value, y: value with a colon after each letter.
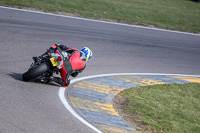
x: 73, y: 64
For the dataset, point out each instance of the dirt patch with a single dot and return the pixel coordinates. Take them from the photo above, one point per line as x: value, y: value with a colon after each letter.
x: 119, y: 104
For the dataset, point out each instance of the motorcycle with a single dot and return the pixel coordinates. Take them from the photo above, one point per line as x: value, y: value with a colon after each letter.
x: 44, y: 66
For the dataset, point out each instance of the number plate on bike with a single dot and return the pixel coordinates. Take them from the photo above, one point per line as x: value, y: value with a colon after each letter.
x: 54, y: 61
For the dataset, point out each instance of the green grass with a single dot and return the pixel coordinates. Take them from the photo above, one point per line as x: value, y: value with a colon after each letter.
x: 183, y: 15
x: 170, y: 108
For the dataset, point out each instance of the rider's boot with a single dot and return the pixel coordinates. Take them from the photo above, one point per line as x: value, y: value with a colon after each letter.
x: 60, y: 82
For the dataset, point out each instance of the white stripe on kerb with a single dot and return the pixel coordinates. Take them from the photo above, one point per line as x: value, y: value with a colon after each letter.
x: 69, y: 108
x: 67, y: 105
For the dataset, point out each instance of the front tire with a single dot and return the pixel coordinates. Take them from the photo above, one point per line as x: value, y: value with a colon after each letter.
x: 36, y: 71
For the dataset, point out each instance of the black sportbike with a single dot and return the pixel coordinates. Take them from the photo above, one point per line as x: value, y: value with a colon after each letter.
x: 45, y: 65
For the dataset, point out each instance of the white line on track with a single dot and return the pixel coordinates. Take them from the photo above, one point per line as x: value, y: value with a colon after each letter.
x: 99, y: 21
x: 69, y: 108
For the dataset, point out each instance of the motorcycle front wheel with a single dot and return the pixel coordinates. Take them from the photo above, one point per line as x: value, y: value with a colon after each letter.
x: 36, y: 71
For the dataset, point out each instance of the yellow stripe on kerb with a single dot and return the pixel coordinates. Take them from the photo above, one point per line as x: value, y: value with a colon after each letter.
x: 149, y: 82
x: 98, y: 87
x: 110, y: 129
x: 139, y: 80
x: 93, y: 106
x: 187, y: 78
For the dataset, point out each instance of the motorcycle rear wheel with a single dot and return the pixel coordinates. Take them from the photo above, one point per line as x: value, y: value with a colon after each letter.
x: 36, y: 71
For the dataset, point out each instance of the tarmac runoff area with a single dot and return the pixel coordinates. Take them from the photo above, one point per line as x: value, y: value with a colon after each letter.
x: 92, y: 97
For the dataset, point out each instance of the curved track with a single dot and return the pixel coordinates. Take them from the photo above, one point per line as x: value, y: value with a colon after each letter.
x: 35, y: 107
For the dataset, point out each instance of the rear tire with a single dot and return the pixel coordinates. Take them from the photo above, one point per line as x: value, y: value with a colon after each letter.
x: 36, y: 71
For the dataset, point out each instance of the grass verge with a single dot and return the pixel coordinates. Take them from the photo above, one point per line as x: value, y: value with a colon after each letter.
x: 169, y: 108
x: 182, y: 15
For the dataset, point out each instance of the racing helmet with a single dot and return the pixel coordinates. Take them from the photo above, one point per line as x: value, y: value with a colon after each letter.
x: 87, y: 52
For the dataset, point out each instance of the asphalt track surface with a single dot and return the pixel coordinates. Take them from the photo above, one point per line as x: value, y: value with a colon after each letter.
x: 35, y: 107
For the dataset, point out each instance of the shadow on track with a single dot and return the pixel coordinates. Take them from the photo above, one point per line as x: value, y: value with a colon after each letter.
x: 18, y: 76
